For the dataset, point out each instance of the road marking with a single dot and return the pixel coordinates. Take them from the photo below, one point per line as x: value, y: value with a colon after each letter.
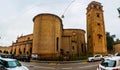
x: 45, y: 67
x: 52, y: 64
x: 67, y: 68
x: 87, y: 66
x: 42, y: 67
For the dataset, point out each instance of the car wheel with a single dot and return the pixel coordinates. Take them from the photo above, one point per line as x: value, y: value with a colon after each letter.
x: 92, y: 60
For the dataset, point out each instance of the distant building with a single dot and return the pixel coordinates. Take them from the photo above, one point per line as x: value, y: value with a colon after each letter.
x: 96, y: 38
x: 23, y: 45
x: 5, y: 49
x: 117, y: 47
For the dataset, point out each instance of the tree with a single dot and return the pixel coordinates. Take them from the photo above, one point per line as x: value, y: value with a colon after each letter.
x: 110, y: 41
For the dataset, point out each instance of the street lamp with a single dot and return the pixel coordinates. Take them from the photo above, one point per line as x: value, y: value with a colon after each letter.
x: 118, y: 11
x: 66, y: 9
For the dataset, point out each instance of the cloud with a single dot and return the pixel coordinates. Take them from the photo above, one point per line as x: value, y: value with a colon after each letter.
x: 17, y: 15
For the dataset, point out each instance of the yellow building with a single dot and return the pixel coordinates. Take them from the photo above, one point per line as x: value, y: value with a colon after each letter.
x: 117, y: 47
x: 49, y: 37
x: 96, y: 38
x: 23, y: 45
x: 49, y: 40
x: 5, y: 49
x: 73, y: 42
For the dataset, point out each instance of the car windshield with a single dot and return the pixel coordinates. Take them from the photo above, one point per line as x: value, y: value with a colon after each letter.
x: 11, y: 64
x: 108, y: 63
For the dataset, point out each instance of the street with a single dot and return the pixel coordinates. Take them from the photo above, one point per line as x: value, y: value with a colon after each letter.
x: 61, y: 66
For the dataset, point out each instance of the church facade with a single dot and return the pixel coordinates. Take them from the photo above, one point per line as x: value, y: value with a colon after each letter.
x: 50, y: 40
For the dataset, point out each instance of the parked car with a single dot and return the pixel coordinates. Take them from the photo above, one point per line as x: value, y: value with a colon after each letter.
x: 108, y: 55
x: 110, y: 63
x: 96, y: 57
x: 117, y: 54
x: 25, y: 58
x: 3, y: 55
x: 11, y: 64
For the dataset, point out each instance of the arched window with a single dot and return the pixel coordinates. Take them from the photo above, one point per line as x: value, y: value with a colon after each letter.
x: 99, y: 36
x: 98, y: 15
x: 57, y: 43
x: 24, y: 50
x: 15, y: 51
x: 28, y: 38
x: 82, y: 47
x: 30, y: 50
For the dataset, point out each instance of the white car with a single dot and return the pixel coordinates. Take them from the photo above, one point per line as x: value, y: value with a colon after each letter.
x: 11, y: 64
x: 96, y: 57
x: 110, y: 63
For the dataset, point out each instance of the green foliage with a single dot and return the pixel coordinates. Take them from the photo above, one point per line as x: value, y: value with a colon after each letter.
x: 110, y: 41
x: 79, y: 57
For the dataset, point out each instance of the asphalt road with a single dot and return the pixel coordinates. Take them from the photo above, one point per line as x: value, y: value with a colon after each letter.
x: 61, y: 66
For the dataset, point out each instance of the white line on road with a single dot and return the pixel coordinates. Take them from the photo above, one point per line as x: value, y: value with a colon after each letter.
x: 43, y: 67
x: 67, y: 68
x: 87, y: 66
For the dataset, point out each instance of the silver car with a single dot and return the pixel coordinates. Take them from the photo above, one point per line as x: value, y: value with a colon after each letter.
x: 11, y: 64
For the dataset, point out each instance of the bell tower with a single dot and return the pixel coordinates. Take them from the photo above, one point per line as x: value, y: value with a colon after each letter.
x: 96, y: 37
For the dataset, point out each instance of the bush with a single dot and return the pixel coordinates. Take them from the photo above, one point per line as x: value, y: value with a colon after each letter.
x: 79, y: 57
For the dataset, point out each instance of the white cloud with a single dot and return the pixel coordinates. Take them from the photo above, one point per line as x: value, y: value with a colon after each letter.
x: 16, y: 16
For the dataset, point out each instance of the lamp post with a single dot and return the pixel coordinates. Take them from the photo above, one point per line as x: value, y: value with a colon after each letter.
x: 67, y: 8
x: 118, y: 11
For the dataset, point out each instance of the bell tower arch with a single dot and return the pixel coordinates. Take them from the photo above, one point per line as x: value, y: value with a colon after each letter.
x: 96, y: 37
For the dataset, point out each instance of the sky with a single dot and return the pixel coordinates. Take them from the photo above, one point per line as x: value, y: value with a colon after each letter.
x: 16, y: 16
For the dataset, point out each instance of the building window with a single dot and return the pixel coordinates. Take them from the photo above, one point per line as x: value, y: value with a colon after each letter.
x: 82, y: 46
x: 24, y: 50
x: 95, y: 6
x: 57, y: 44
x: 99, y: 36
x: 89, y: 36
x: 98, y: 24
x: 98, y: 15
x: 15, y: 52
x: 28, y: 38
x: 73, y: 48
x: 30, y: 50
x: 61, y: 52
